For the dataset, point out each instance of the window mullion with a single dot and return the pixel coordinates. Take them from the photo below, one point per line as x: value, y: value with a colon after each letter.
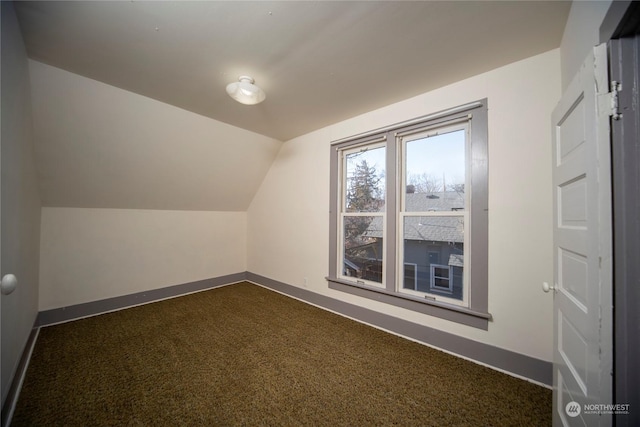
x: 392, y: 208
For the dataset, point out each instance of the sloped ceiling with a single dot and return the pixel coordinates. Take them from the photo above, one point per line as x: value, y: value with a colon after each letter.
x: 129, y: 101
x: 319, y: 62
x: 97, y: 146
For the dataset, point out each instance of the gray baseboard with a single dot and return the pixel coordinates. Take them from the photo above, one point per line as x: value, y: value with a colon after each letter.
x: 536, y: 370
x: 16, y: 384
x: 518, y: 364
x: 64, y: 314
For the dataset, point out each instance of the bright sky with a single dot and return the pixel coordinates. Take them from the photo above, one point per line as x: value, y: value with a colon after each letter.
x: 438, y: 156
x: 374, y: 157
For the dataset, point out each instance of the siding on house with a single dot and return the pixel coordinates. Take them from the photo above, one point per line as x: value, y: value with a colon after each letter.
x: 433, y: 246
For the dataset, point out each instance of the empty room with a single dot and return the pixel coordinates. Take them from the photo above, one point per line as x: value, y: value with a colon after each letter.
x: 320, y: 213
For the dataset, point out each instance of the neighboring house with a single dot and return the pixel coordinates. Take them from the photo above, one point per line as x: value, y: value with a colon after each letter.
x: 433, y: 246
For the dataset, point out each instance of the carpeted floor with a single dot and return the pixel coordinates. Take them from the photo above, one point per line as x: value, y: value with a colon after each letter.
x: 244, y: 355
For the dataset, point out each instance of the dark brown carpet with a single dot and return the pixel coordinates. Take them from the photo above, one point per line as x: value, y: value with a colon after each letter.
x: 244, y: 355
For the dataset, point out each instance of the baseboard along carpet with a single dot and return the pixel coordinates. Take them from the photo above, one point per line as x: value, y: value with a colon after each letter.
x: 245, y: 355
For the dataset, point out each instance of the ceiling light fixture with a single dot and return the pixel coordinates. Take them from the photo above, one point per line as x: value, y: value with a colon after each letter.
x: 245, y: 92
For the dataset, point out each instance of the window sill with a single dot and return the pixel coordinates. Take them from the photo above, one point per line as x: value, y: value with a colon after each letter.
x: 454, y: 313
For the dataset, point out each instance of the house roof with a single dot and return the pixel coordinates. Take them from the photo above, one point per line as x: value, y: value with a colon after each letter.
x: 434, y: 229
x: 456, y: 260
x: 429, y: 228
x: 434, y: 202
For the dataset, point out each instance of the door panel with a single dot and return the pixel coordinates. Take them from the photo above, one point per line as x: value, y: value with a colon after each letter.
x: 581, y: 229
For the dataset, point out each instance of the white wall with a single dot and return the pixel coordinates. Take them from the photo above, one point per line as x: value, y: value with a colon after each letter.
x: 137, y: 194
x: 288, y: 220
x: 581, y: 33
x: 98, y: 146
x: 93, y: 254
x: 20, y: 210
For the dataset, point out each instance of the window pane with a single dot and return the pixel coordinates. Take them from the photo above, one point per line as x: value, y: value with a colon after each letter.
x: 436, y: 172
x: 363, y: 247
x: 436, y: 246
x: 365, y: 181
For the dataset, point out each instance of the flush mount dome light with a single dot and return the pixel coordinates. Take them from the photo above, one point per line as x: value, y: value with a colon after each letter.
x: 245, y: 92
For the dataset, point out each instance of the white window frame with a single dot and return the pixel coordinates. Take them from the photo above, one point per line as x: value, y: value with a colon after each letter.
x: 372, y: 145
x: 432, y: 279
x: 402, y: 139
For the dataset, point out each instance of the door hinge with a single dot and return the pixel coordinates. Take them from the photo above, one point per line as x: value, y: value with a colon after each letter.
x: 608, y: 101
x: 616, y: 87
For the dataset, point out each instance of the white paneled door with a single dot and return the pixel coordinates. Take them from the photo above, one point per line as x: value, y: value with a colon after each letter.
x: 582, y: 248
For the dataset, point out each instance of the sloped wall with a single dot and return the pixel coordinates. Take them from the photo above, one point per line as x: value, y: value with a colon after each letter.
x: 288, y: 221
x: 136, y: 194
x: 98, y: 146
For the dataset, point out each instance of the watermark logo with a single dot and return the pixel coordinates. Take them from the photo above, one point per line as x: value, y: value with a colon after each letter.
x: 573, y: 409
x: 606, y: 409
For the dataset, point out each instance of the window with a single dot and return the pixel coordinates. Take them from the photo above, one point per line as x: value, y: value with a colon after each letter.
x: 362, y: 209
x: 440, y: 279
x: 433, y: 207
x: 409, y: 215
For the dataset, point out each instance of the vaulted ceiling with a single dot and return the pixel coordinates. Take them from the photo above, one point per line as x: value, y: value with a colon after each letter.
x: 115, y: 84
x: 319, y: 62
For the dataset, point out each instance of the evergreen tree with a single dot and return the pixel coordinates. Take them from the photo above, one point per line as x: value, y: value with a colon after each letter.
x: 364, y: 193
